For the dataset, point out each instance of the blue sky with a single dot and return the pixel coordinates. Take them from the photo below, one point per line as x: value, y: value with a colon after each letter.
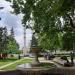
x: 10, y: 20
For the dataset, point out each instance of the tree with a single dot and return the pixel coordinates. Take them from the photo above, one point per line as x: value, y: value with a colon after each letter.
x: 8, y: 44
x: 34, y: 41
x: 5, y: 38
x: 1, y: 41
x: 43, y: 10
x: 12, y: 33
x: 48, y: 42
x: 47, y: 16
x: 13, y: 46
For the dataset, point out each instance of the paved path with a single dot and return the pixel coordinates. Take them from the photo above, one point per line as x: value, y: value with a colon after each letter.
x: 60, y: 64
x: 50, y: 61
x: 57, y: 62
x: 11, y: 63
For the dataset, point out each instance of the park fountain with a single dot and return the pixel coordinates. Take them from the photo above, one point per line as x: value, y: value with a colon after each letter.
x: 36, y: 67
x: 35, y: 49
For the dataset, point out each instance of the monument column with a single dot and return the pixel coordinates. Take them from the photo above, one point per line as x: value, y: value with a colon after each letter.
x: 24, y: 49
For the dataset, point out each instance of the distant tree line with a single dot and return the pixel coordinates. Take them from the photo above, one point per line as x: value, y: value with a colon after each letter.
x: 8, y: 44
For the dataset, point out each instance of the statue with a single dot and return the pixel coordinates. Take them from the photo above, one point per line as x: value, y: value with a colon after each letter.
x: 34, y: 48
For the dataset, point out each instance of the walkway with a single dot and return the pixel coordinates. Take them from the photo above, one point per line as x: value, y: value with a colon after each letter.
x: 60, y: 68
x: 51, y: 61
x: 57, y: 62
x: 61, y: 63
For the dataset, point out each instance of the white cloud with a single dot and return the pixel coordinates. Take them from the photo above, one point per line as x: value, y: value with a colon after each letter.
x: 6, y: 6
x: 10, y: 20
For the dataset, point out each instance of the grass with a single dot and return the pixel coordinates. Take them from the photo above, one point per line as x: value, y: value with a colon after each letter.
x: 7, y: 61
x: 13, y: 67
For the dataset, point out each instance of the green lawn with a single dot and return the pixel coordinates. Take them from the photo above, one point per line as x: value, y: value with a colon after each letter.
x: 13, y: 67
x: 7, y: 61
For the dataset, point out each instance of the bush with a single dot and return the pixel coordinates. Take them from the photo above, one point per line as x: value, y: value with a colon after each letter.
x: 64, y: 57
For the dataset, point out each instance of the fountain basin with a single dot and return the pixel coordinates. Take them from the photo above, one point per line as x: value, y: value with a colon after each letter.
x: 36, y: 67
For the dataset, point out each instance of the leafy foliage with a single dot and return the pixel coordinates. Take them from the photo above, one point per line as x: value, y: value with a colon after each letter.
x: 3, y: 39
x: 34, y: 41
x: 47, y: 14
x: 8, y: 44
x: 13, y: 46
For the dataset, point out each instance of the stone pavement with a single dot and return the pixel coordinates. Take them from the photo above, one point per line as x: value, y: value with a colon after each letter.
x: 51, y: 61
x: 60, y: 68
x: 59, y: 63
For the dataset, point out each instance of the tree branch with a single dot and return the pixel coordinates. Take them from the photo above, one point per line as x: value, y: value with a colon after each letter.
x: 71, y: 21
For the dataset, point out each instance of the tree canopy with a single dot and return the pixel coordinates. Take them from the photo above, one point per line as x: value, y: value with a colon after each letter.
x: 8, y: 43
x: 12, y: 45
x: 53, y: 20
